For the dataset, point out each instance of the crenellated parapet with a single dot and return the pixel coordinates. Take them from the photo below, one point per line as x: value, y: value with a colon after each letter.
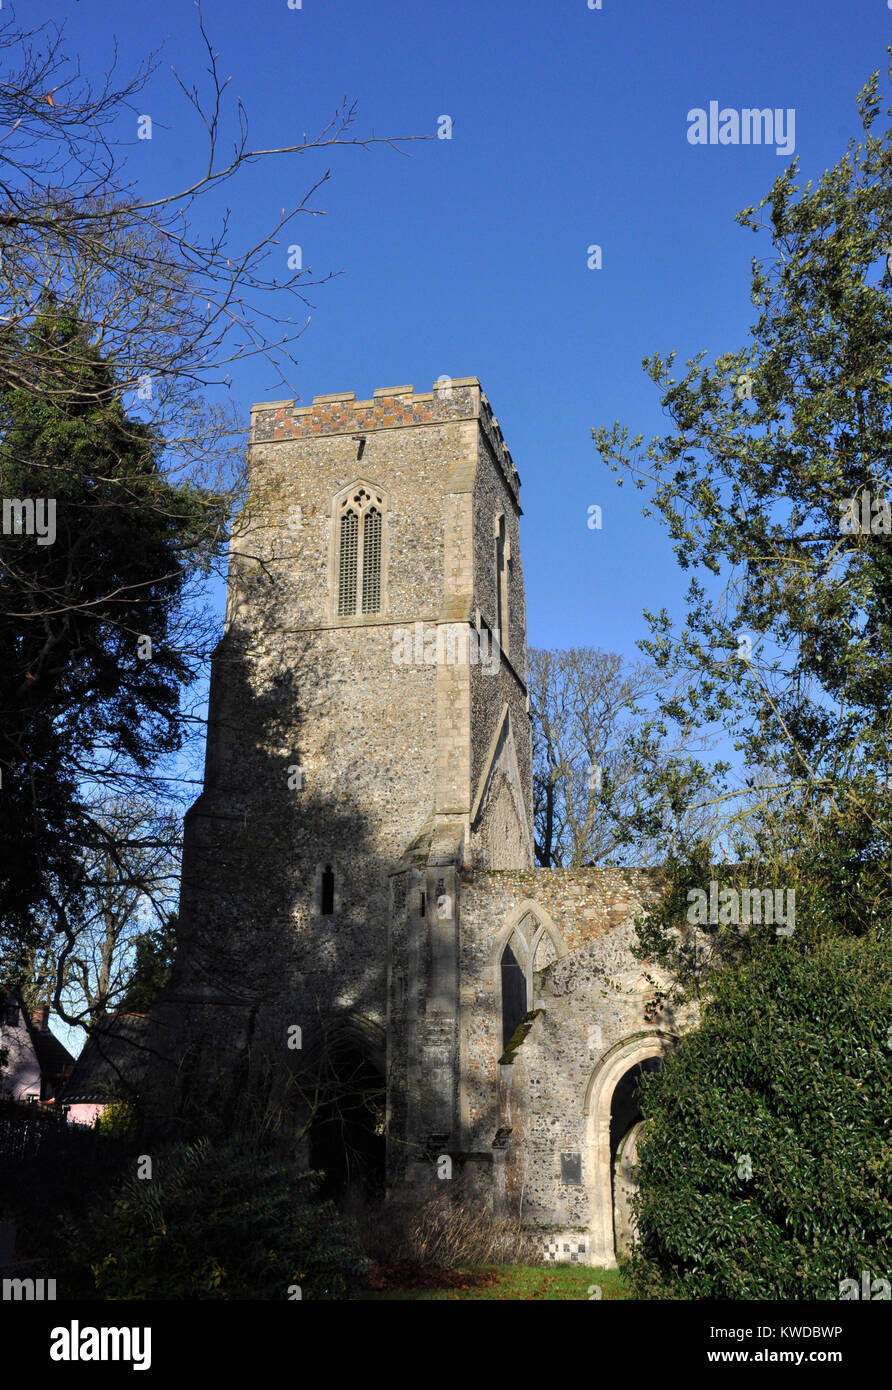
x: 391, y: 407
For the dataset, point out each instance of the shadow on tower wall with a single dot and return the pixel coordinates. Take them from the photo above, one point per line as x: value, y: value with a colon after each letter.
x: 273, y: 1022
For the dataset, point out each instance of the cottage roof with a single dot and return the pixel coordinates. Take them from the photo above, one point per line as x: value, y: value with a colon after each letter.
x: 53, y: 1057
x: 112, y: 1062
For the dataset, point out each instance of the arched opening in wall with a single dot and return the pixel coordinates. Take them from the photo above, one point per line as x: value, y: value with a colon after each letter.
x: 514, y: 993
x: 625, y: 1129
x: 346, y: 1137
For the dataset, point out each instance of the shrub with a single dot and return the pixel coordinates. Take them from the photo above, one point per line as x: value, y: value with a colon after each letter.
x: 214, y: 1223
x: 118, y: 1121
x: 765, y: 1169
x: 451, y: 1228
x: 50, y: 1170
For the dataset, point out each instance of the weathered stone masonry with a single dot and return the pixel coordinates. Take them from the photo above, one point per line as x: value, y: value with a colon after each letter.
x: 362, y: 849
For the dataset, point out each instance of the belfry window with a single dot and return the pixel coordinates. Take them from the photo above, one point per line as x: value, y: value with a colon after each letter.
x: 359, y: 553
x: 349, y: 563
x: 371, y: 561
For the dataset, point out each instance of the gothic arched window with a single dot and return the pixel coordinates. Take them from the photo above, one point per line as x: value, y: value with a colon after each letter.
x: 359, y: 558
x: 533, y: 944
x: 371, y: 561
x: 514, y: 993
x: 349, y: 561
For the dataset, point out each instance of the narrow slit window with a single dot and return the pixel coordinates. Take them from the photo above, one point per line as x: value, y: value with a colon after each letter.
x: 326, y: 905
x: 502, y: 584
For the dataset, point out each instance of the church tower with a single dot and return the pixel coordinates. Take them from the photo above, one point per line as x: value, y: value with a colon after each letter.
x: 368, y: 746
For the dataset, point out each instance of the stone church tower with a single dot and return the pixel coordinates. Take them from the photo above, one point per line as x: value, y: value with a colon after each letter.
x: 359, y: 893
x: 369, y: 734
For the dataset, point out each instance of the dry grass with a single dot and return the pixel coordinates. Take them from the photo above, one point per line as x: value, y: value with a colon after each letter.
x: 449, y: 1229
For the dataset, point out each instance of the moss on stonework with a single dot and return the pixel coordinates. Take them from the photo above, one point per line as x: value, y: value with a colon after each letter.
x: 518, y: 1036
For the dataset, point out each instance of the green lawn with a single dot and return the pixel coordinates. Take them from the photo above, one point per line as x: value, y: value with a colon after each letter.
x: 556, y: 1282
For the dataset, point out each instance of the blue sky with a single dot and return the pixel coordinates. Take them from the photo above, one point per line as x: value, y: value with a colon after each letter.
x: 470, y: 256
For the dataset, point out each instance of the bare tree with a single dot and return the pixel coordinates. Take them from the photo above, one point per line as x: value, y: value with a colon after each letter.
x: 176, y: 310
x: 130, y: 877
x: 125, y: 311
x: 601, y: 789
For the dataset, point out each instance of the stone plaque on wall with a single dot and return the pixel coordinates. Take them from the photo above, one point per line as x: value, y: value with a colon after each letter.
x: 571, y: 1169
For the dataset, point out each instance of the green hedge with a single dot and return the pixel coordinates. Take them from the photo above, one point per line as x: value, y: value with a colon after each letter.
x: 766, y: 1166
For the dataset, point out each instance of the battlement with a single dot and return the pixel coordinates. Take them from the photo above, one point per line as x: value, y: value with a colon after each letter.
x: 391, y: 407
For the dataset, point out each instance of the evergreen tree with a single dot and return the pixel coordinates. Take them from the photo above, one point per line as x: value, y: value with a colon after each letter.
x: 90, y: 678
x: 776, y: 479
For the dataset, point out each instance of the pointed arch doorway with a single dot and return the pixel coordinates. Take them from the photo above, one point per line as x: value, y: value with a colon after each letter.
x: 612, y: 1130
